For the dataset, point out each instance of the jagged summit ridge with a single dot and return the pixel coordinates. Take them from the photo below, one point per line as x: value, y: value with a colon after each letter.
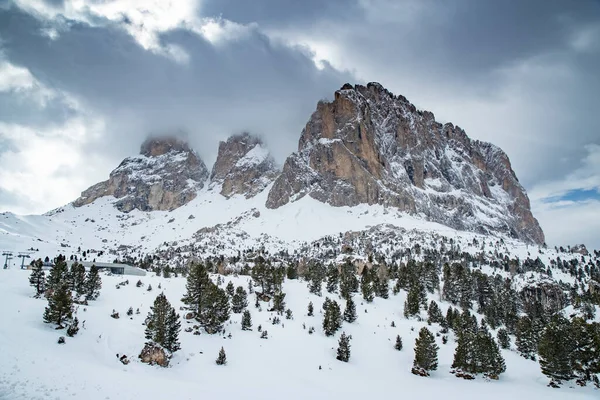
x: 165, y: 175
x: 370, y: 146
x: 244, y: 166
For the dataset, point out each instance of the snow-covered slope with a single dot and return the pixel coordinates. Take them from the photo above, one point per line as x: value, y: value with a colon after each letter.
x: 286, y: 365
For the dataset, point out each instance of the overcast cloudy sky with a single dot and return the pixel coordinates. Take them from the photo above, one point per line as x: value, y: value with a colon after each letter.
x: 82, y: 82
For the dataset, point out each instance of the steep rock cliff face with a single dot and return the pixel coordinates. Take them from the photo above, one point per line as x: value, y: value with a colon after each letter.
x: 244, y: 166
x: 369, y: 146
x: 166, y: 175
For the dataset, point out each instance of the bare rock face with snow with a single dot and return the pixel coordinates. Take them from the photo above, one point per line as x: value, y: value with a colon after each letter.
x: 244, y: 166
x: 166, y: 175
x: 369, y: 146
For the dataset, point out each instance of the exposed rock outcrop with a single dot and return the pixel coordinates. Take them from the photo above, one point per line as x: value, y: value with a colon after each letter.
x: 369, y: 146
x: 153, y: 354
x: 244, y: 166
x: 166, y: 175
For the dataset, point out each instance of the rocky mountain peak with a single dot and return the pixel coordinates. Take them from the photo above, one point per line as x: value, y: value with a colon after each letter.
x: 244, y: 166
x: 371, y: 146
x: 157, y: 146
x: 166, y: 175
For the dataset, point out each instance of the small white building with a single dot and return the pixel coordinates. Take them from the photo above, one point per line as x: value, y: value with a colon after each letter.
x: 117, y: 269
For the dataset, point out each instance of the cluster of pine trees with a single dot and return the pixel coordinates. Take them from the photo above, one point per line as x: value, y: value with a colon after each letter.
x: 62, y: 288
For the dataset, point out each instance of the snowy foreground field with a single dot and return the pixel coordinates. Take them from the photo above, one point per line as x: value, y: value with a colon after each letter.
x: 285, y: 366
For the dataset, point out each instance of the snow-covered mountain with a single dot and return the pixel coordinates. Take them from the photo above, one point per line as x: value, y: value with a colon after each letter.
x: 375, y: 186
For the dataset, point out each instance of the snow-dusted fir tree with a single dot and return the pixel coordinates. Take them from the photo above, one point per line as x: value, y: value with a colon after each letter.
x: 37, y: 279
x: 503, y: 338
x: 230, y: 288
x: 78, y: 279
x: 246, y: 321
x: 526, y: 340
x: 555, y: 349
x: 333, y: 278
x: 425, y: 353
x: 216, y: 309
x: 60, y: 306
x: 58, y: 274
x: 398, y: 345
x: 350, y: 311
x: 221, y: 358
x: 93, y: 284
x: 343, y: 351
x: 332, y: 320
x: 434, y: 314
x: 163, y: 325
x: 311, y: 309
x: 239, y: 300
x: 197, y: 287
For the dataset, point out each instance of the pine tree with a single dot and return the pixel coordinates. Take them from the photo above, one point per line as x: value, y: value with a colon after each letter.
x: 60, y: 306
x: 58, y: 274
x: 78, y: 279
x: 163, y: 325
x: 585, y: 354
x: 434, y: 314
x: 239, y: 301
x: 93, y: 284
x: 197, y: 285
x: 332, y: 321
x: 526, y: 341
x: 279, y: 302
x: 412, y: 304
x: 343, y: 351
x: 73, y: 328
x: 489, y: 360
x: 348, y: 280
x: 311, y: 309
x: 216, y: 310
x: 398, y: 345
x: 230, y: 289
x: 382, y: 287
x: 366, y: 285
x: 425, y: 353
x: 222, y: 358
x: 555, y: 349
x: 350, y: 311
x: 38, y: 278
x: 246, y: 321
x: 503, y: 338
x: 333, y: 278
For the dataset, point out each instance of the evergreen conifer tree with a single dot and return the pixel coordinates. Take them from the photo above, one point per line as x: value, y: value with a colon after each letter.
x: 503, y: 338
x: 216, y: 310
x: 230, y: 289
x: 78, y: 279
x: 38, y: 278
x: 163, y: 325
x: 366, y: 285
x: 239, y: 301
x: 197, y: 286
x: 555, y: 349
x: 332, y: 320
x: 311, y: 309
x: 585, y: 354
x: 526, y: 338
x: 246, y: 321
x: 58, y: 274
x: 60, y: 306
x: 489, y: 360
x: 398, y: 345
x: 279, y: 302
x: 434, y: 314
x: 425, y: 353
x: 73, y: 328
x: 343, y: 351
x: 412, y: 304
x: 221, y: 358
x: 382, y: 287
x: 93, y: 284
x: 350, y: 311
x: 332, y: 278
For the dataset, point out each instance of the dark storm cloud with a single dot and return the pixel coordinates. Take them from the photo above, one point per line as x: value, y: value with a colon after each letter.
x: 507, y: 71
x: 248, y: 84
